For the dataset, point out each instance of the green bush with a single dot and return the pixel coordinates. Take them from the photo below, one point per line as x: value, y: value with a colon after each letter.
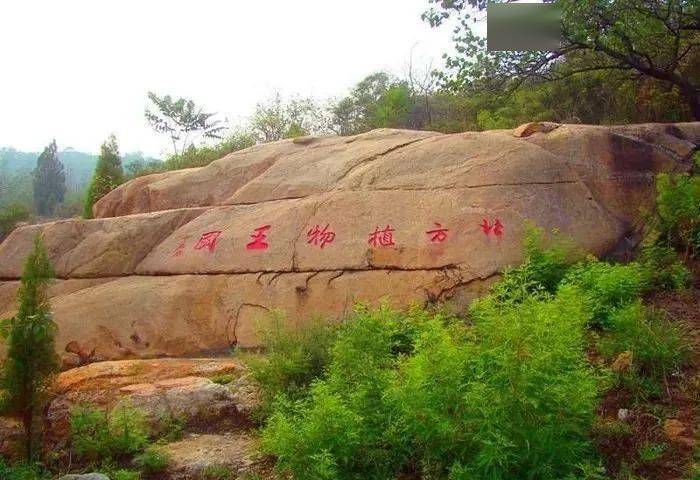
x: 546, y: 261
x: 662, y: 268
x: 125, y: 475
x: 511, y: 397
x: 19, y: 471
x: 294, y: 357
x: 99, y: 436
x: 606, y: 286
x: 218, y: 472
x: 151, y: 460
x: 90, y: 436
x: 678, y: 210
x: 650, y: 452
x: 658, y: 346
x: 10, y: 216
x: 128, y: 429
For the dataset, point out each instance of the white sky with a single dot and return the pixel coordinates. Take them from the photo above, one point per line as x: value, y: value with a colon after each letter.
x: 78, y: 70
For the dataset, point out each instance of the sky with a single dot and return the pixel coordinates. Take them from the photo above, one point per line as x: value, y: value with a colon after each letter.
x: 78, y: 70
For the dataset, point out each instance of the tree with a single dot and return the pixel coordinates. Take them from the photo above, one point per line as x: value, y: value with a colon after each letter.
x: 31, y: 356
x: 49, y: 181
x: 108, y: 174
x: 180, y: 119
x: 656, y: 39
x: 276, y: 119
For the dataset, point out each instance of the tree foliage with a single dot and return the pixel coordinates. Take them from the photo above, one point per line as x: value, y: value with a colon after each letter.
x: 108, y: 175
x: 31, y: 357
x: 180, y: 119
x: 654, y: 39
x: 277, y: 118
x: 49, y: 181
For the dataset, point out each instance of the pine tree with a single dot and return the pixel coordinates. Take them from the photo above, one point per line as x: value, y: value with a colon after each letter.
x: 49, y: 181
x: 108, y: 174
x: 31, y: 356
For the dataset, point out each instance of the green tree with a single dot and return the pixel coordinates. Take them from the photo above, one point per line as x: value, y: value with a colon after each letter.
x: 108, y: 174
x: 49, y: 181
x: 276, y: 118
x: 655, y: 39
x: 10, y: 216
x: 31, y: 356
x: 180, y: 119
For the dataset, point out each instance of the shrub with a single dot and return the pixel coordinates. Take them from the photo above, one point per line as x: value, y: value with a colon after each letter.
x: 90, y: 436
x: 678, y: 210
x: 151, y: 460
x: 657, y: 345
x: 606, y: 286
x: 99, y: 436
x: 10, y: 216
x: 662, y: 268
x: 511, y: 397
x: 546, y: 261
x: 19, y: 471
x: 218, y: 472
x: 294, y: 357
x: 126, y: 475
x: 128, y: 429
x: 224, y: 378
x: 650, y: 452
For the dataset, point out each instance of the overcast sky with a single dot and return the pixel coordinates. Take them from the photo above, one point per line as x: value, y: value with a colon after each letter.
x: 78, y: 70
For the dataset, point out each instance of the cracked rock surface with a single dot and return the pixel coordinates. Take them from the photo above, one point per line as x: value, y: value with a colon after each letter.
x: 143, y: 280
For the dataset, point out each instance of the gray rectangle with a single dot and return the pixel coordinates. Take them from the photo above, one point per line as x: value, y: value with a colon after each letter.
x: 523, y: 27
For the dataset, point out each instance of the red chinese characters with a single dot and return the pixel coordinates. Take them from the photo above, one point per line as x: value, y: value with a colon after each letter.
x: 438, y: 234
x: 180, y: 249
x: 320, y: 236
x: 497, y: 227
x: 382, y: 238
x: 208, y: 240
x: 259, y: 236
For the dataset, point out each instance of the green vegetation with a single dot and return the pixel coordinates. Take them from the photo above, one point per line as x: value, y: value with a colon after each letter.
x: 294, y: 358
x: 126, y: 475
x: 49, y: 181
x: 10, y: 216
x: 96, y: 435
x: 151, y: 460
x: 650, y: 452
x: 657, y: 345
x: 108, y: 174
x: 218, y: 472
x: 607, y: 40
x: 506, y: 392
x: 31, y: 362
x: 20, y: 471
x: 179, y: 119
x: 678, y: 211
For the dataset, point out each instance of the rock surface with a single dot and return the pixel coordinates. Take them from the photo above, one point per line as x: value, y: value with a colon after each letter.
x: 175, y: 258
x: 202, y: 456
x: 166, y: 390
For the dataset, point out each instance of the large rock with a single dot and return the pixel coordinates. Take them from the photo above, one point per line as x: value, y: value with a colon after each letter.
x: 165, y: 390
x: 170, y: 266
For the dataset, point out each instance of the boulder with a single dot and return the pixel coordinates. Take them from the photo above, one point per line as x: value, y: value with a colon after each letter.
x: 192, y: 261
x: 232, y: 455
x: 165, y: 389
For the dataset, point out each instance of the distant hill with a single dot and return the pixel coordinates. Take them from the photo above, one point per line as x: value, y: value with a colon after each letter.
x: 79, y: 165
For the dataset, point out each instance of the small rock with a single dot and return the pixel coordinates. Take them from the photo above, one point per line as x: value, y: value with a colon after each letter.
x: 623, y: 414
x: 528, y: 129
x: 84, y: 476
